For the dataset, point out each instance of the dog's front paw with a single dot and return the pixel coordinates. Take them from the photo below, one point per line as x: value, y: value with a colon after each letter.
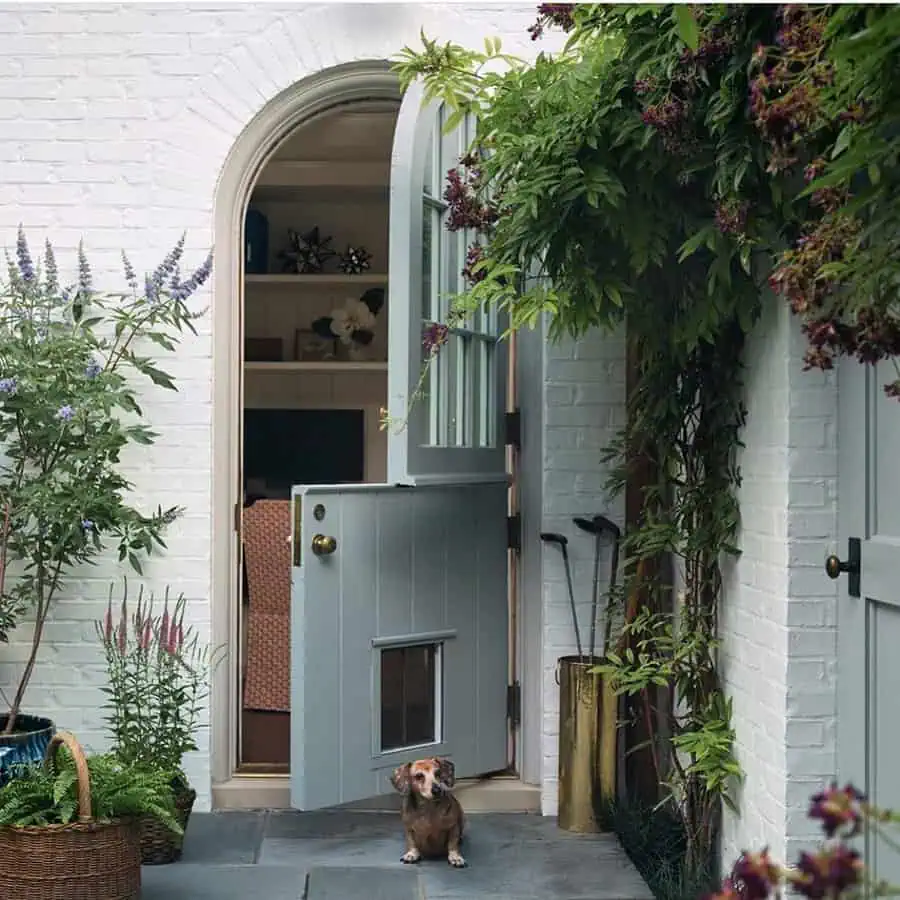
x: 455, y: 859
x: 411, y: 856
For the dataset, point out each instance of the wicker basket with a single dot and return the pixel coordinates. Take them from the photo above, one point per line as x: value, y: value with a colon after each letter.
x: 86, y: 860
x: 160, y: 845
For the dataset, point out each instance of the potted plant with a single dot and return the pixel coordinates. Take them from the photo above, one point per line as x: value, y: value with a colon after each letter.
x: 69, y: 827
x: 158, y: 680
x: 68, y: 410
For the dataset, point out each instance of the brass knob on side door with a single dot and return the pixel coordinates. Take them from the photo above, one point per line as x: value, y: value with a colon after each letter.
x: 323, y: 544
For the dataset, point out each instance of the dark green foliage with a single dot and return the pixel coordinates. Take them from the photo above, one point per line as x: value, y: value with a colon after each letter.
x: 655, y: 842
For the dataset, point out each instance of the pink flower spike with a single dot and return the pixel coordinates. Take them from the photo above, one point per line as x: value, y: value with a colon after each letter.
x: 108, y: 624
x: 146, y: 634
x: 180, y: 636
x: 123, y: 636
x: 173, y: 639
x: 164, y: 628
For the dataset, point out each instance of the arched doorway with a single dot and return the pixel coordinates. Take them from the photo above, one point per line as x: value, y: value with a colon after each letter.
x: 260, y: 140
x: 421, y: 568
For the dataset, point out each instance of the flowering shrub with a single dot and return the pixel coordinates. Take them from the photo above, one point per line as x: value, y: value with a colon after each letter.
x: 69, y: 408
x: 158, y: 680
x: 661, y: 168
x: 835, y: 871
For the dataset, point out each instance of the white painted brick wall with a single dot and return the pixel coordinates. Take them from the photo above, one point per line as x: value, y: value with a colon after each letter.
x: 118, y: 119
x: 778, y: 614
x: 584, y: 406
x: 115, y: 122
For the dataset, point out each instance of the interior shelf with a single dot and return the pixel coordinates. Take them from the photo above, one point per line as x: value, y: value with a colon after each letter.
x: 309, y: 366
x: 326, y: 279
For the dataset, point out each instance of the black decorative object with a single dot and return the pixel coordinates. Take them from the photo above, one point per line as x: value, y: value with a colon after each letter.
x: 256, y: 243
x: 373, y: 299
x: 355, y: 261
x: 307, y: 253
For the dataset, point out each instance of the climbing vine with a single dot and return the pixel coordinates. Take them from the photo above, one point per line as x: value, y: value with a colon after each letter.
x: 658, y: 171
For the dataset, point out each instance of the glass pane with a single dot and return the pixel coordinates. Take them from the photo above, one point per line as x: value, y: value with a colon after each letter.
x: 430, y: 167
x: 427, y: 252
x: 408, y: 696
x: 465, y: 385
x: 450, y: 370
x: 433, y: 395
x: 451, y: 266
x: 486, y: 391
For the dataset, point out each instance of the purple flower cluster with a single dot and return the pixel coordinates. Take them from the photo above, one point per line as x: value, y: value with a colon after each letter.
x: 434, y: 337
x: 465, y: 208
x: 166, y: 276
x: 549, y: 14
x: 23, y: 257
x: 474, y: 255
x: 830, y: 872
x: 670, y: 119
x: 8, y: 386
x: 731, y: 216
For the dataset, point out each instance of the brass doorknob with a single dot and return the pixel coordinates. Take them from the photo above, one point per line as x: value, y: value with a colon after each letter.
x: 323, y: 544
x: 834, y: 567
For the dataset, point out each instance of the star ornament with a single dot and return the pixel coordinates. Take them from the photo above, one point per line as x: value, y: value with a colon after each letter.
x: 307, y: 253
x: 355, y: 261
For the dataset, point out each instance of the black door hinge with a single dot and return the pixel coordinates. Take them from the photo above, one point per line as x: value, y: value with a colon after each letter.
x: 514, y: 703
x: 512, y: 423
x: 514, y: 532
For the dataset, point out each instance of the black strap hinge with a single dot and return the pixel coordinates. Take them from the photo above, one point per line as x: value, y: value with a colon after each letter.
x: 512, y: 423
x: 514, y: 703
x: 514, y: 532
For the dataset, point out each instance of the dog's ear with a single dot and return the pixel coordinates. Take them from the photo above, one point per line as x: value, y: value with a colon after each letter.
x: 400, y: 779
x: 446, y: 772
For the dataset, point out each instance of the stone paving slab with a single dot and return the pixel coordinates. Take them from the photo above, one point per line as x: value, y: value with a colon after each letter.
x: 511, y: 856
x: 186, y: 881
x: 375, y: 884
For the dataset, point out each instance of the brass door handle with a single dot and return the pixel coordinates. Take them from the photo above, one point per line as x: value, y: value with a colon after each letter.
x: 851, y: 566
x: 323, y: 544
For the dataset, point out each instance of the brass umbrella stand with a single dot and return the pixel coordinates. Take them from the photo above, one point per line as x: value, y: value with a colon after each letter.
x: 587, y: 703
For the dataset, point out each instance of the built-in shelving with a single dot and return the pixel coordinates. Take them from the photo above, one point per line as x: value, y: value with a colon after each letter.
x: 292, y: 173
x: 337, y: 278
x: 316, y: 366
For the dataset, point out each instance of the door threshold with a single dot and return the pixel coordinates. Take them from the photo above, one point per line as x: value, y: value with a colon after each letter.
x: 502, y: 794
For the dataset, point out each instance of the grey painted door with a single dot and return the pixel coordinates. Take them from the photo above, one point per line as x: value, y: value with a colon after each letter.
x: 869, y: 623
x: 399, y: 636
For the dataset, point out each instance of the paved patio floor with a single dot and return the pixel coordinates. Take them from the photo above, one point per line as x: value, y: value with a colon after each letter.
x: 344, y: 855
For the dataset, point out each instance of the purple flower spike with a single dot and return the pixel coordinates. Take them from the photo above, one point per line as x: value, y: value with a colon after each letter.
x: 66, y: 412
x: 93, y: 369
x: 130, y: 275
x: 23, y: 257
x: 84, y: 271
x: 8, y: 386
x: 51, y: 273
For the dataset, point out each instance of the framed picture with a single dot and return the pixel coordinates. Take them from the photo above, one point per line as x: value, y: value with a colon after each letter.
x: 312, y: 347
x: 265, y: 349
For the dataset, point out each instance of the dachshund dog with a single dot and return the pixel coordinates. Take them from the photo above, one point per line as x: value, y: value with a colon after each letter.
x: 432, y: 817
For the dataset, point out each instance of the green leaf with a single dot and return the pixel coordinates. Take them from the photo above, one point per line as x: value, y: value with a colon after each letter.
x: 843, y: 141
x: 687, y: 26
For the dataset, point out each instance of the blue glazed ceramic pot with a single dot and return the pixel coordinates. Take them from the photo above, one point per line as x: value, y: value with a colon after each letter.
x: 27, y: 744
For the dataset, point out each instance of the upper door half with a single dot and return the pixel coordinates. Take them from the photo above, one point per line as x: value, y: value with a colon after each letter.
x: 447, y: 425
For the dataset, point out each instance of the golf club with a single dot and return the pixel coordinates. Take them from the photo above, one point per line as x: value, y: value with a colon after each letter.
x: 597, y: 526
x: 550, y: 537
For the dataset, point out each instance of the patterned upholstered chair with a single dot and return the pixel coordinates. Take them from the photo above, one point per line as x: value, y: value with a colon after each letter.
x: 267, y: 558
